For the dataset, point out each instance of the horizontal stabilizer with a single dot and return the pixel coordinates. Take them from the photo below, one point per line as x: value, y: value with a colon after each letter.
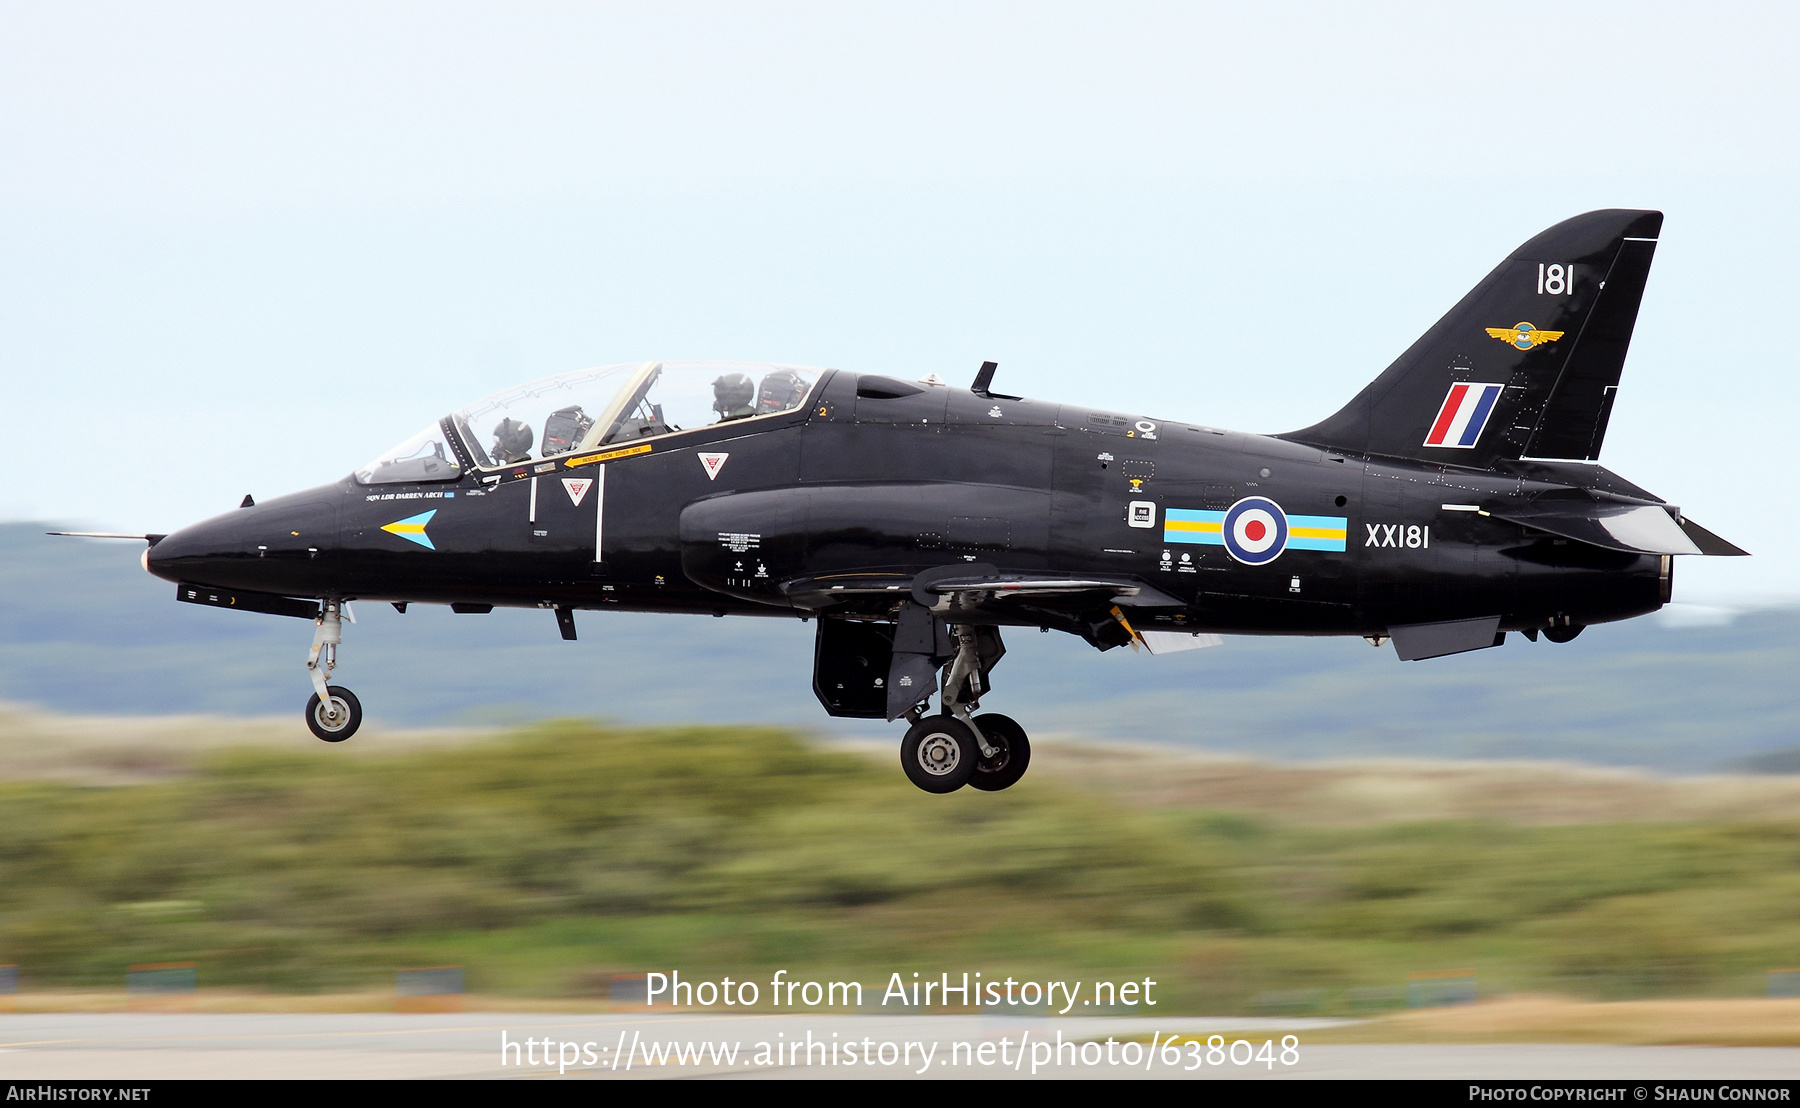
x: 1418, y: 641
x: 1631, y: 528
x: 1710, y: 543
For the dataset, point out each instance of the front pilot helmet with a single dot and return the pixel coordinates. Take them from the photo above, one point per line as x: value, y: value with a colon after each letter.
x: 733, y: 393
x: 512, y: 440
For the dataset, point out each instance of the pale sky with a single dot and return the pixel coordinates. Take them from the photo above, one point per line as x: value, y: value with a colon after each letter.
x: 245, y: 247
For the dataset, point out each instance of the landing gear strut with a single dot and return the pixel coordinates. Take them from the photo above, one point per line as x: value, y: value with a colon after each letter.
x: 333, y: 713
x: 942, y: 753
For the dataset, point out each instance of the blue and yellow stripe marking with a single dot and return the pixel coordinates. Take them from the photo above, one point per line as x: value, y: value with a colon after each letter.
x: 1318, y: 532
x: 1189, y: 525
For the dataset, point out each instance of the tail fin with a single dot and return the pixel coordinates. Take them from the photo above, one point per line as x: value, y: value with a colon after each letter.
x: 1525, y: 365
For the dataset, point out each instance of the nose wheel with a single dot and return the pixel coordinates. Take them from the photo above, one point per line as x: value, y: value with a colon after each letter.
x: 333, y: 713
x: 335, y: 718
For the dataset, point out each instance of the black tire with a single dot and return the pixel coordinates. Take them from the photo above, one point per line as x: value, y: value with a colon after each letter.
x: 347, y: 704
x: 1004, y: 769
x: 938, y: 754
x: 1563, y: 634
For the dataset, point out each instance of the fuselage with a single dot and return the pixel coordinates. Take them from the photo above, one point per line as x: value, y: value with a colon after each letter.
x: 872, y: 477
x: 1453, y: 499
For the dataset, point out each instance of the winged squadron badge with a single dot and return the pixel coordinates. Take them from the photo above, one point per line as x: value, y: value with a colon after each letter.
x: 1524, y: 336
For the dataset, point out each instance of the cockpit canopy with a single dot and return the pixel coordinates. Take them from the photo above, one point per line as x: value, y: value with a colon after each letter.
x: 593, y: 408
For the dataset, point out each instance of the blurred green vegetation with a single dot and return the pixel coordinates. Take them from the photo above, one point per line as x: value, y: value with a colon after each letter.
x: 547, y: 860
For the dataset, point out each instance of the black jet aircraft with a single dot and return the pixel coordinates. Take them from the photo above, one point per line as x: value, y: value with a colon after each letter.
x: 1455, y: 499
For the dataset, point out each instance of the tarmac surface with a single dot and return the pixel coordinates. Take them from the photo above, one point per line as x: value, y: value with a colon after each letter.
x: 127, y: 1046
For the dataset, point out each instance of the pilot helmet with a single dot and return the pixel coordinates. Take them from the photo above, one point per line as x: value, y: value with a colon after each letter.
x: 512, y: 441
x: 733, y: 395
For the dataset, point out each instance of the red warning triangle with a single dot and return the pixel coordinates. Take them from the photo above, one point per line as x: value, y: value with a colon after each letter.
x: 577, y: 488
x: 712, y: 464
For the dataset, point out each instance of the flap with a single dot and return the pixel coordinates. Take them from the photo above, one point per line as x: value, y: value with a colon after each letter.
x: 1170, y: 642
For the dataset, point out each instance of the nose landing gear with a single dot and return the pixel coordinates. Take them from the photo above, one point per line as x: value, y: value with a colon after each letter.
x: 333, y: 713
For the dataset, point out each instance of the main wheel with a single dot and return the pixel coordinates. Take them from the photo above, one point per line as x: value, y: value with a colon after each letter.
x: 938, y: 754
x: 344, y: 717
x: 1009, y: 762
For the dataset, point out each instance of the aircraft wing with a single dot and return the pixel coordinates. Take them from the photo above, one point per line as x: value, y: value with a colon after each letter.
x: 970, y: 586
x: 1125, y: 591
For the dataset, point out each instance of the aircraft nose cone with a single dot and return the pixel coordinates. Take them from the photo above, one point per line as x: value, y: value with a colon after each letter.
x: 186, y: 554
x: 279, y: 546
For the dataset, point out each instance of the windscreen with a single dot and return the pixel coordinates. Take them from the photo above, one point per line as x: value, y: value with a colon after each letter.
x: 425, y: 456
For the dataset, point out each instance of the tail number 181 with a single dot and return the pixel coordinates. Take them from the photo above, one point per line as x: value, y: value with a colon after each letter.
x: 1557, y: 280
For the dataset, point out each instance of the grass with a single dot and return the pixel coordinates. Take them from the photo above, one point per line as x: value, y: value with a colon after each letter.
x: 547, y: 860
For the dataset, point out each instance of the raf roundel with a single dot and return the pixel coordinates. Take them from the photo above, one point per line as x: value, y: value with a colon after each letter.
x: 1255, y: 530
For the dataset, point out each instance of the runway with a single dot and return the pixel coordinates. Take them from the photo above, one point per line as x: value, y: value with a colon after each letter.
x: 129, y: 1046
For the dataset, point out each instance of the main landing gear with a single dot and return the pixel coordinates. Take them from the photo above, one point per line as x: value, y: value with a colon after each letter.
x: 333, y: 713
x: 944, y: 752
